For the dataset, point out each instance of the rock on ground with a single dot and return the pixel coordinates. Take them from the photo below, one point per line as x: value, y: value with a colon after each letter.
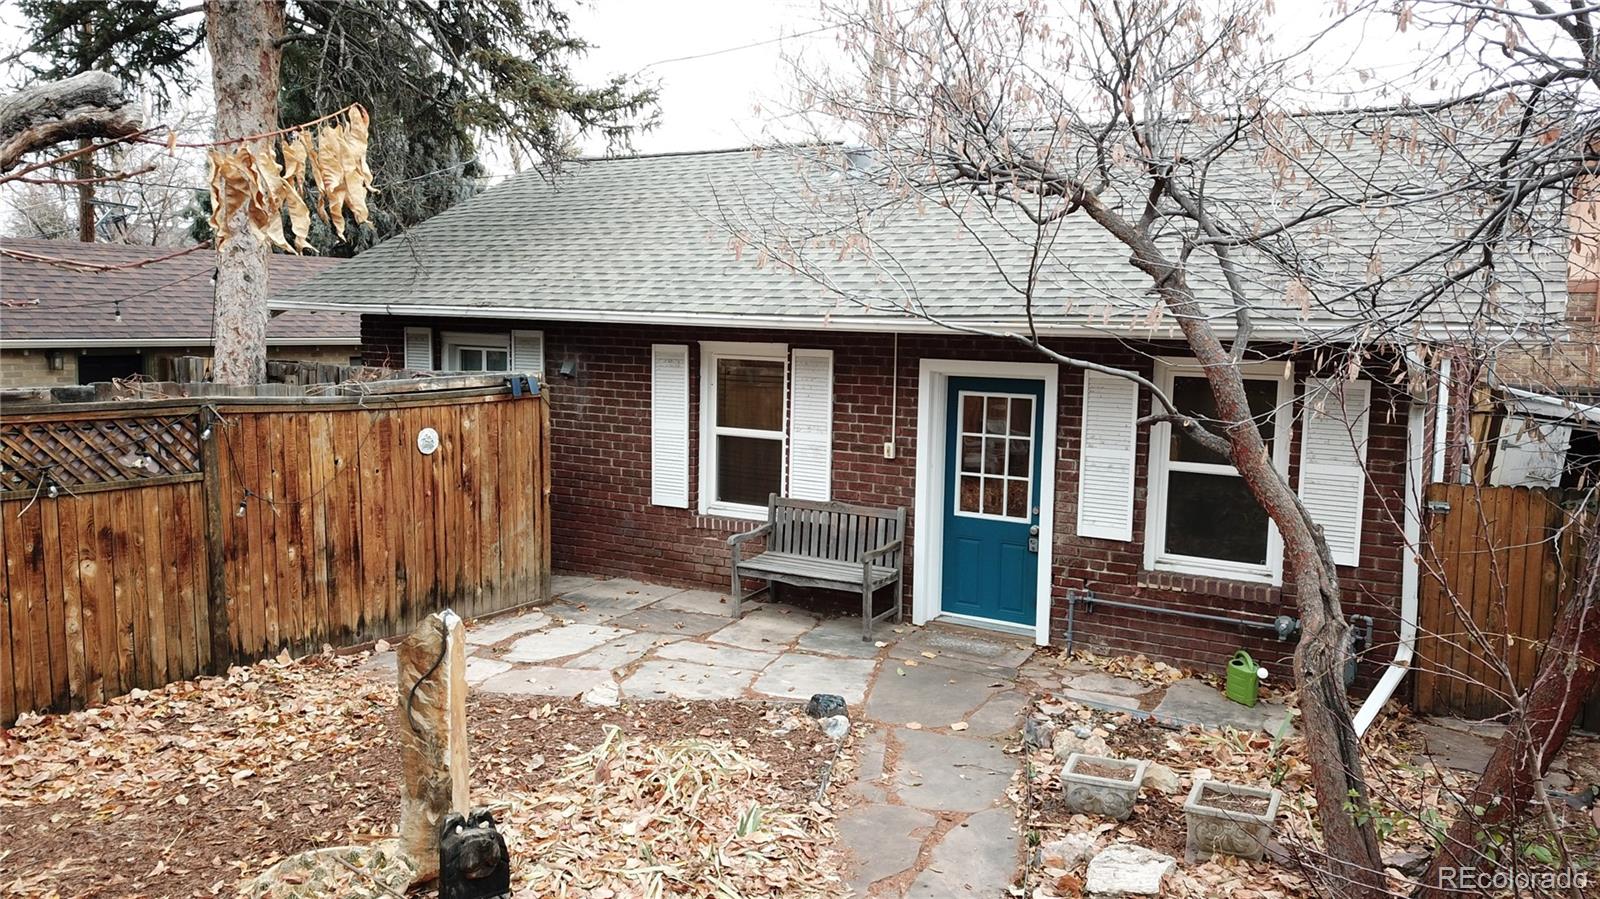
x: 1162, y: 779
x: 1126, y: 869
x: 1069, y: 853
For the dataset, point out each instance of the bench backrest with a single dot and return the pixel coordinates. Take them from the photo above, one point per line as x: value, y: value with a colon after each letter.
x: 835, y: 531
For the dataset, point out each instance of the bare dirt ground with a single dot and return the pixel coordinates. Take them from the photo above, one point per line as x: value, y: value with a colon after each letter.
x: 186, y: 790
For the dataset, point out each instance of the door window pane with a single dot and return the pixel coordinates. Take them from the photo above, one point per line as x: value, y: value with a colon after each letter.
x: 750, y: 395
x: 748, y: 469
x: 1213, y: 516
x: 996, y: 455
x: 1193, y: 396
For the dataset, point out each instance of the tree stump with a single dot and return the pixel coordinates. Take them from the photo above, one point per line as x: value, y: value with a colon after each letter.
x: 432, y: 665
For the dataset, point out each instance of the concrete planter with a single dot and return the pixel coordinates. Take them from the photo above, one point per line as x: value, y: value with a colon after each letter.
x: 1096, y: 785
x: 1217, y: 826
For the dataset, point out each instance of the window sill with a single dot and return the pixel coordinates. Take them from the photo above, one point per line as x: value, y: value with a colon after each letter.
x: 1197, y: 568
x: 734, y: 510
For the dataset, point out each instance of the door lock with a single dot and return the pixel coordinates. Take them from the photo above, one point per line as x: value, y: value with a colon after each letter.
x: 1033, y: 539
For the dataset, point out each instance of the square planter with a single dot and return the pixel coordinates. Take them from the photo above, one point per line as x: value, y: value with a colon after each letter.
x: 1096, y: 785
x: 1231, y: 819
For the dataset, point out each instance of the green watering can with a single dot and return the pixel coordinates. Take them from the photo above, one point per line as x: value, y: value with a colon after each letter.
x: 1244, y: 679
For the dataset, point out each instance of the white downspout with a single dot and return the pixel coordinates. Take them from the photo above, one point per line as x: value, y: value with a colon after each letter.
x: 1441, y: 421
x: 1411, y: 566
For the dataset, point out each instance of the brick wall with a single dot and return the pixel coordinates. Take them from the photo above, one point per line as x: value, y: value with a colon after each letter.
x: 606, y: 525
x: 31, y: 368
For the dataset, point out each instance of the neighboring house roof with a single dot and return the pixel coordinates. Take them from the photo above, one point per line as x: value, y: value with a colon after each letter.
x: 166, y: 303
x: 648, y: 239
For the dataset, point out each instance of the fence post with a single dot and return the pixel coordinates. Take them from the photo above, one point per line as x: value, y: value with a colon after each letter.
x: 214, y: 522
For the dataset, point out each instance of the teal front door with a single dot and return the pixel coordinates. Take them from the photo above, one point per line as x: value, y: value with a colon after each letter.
x: 991, y: 506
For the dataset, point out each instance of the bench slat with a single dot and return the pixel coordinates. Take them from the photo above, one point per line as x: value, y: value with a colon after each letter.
x: 781, y: 566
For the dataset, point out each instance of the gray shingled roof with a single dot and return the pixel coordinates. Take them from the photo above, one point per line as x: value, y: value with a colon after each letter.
x: 647, y: 239
x: 165, y: 303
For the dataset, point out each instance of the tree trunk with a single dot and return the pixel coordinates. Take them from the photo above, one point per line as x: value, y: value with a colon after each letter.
x: 242, y: 36
x: 1354, y: 861
x: 1568, y: 672
x: 85, y: 194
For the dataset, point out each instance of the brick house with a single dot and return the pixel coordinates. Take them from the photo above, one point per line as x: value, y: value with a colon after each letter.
x: 75, y: 312
x: 687, y: 380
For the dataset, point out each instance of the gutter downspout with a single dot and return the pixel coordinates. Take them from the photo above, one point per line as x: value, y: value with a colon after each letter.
x: 1441, y: 419
x: 1411, y: 566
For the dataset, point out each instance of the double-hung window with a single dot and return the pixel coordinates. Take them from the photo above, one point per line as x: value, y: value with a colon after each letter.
x: 477, y: 352
x: 1202, y: 518
x: 743, y: 442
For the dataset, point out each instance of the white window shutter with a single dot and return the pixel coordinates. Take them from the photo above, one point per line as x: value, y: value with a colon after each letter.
x: 1106, y: 464
x: 527, y: 352
x: 1333, y: 457
x: 419, y: 349
x: 811, y: 425
x: 669, y: 425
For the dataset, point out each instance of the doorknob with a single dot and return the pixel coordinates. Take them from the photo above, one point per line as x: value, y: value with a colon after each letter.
x: 1033, y: 531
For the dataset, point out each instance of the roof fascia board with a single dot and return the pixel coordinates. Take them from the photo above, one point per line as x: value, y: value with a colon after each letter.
x: 93, y: 343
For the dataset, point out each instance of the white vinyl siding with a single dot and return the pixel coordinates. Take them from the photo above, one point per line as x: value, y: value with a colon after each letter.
x: 1333, y: 459
x: 1106, y: 463
x: 527, y: 352
x: 811, y: 425
x: 419, y: 349
x: 669, y: 425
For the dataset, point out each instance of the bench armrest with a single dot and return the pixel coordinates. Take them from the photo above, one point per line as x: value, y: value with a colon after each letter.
x: 762, y: 531
x: 889, y: 547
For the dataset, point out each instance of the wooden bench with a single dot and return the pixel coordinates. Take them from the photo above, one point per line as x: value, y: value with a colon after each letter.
x: 835, y: 546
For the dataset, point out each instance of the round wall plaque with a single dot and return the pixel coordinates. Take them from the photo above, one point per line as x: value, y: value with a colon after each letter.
x: 427, y: 441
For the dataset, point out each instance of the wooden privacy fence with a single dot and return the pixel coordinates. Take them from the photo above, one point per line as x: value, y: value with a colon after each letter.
x: 150, y: 541
x: 1498, y: 563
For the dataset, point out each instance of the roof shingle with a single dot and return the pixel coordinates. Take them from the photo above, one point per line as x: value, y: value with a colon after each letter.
x: 164, y: 303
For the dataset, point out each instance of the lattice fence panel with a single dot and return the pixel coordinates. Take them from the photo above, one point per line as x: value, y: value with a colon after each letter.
x: 85, y: 452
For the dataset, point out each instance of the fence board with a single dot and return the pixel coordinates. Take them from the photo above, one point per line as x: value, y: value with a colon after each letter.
x: 1500, y: 562
x: 348, y: 533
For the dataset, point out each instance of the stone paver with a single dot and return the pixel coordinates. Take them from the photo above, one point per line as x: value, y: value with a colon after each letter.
x: 621, y: 651
x: 1192, y: 701
x: 706, y: 602
x: 671, y: 621
x: 707, y: 654
x: 842, y: 637
x: 871, y: 750
x: 565, y: 683
x: 1001, y: 716
x: 564, y: 613
x: 952, y: 774
x: 885, y: 840
x: 622, y: 593
x: 497, y: 630
x: 965, y: 647
x: 1100, y: 682
x: 480, y: 669
x: 1102, y: 700
x: 564, y: 583
x: 664, y: 678
x: 977, y: 857
x: 765, y: 628
x: 903, y: 694
x: 797, y: 675
x: 561, y: 642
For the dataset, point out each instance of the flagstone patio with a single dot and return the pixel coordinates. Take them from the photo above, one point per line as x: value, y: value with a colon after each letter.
x: 927, y: 814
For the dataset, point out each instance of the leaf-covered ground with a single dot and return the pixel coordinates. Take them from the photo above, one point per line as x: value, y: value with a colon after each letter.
x: 1413, y: 794
x: 190, y: 789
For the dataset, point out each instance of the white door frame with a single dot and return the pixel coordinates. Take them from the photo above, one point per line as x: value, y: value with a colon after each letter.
x: 933, y: 416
